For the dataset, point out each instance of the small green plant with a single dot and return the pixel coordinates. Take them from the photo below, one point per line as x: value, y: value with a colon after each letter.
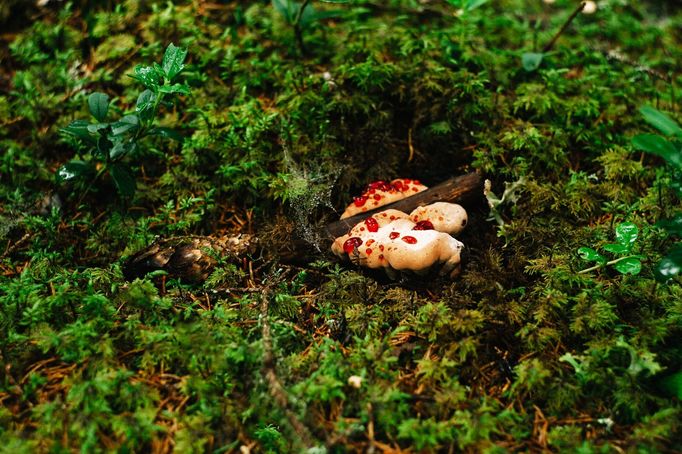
x: 303, y: 15
x: 627, y: 263
x: 669, y: 147
x: 109, y: 144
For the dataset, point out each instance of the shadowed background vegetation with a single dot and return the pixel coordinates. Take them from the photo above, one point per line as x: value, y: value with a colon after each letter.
x: 280, y: 116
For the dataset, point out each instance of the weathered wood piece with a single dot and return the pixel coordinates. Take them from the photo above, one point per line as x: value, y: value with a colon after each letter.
x: 455, y: 190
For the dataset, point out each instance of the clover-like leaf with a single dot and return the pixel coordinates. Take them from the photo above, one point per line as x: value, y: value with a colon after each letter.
x: 531, y: 60
x: 173, y: 59
x: 630, y: 265
x: 98, y: 103
x: 587, y: 253
x: 626, y: 234
x: 671, y: 265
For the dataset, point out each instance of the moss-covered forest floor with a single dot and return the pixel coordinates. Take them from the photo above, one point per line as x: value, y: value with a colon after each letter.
x: 278, y: 117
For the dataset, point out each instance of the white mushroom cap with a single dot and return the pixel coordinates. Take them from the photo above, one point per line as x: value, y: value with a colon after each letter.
x: 445, y: 217
x: 381, y: 193
x: 398, y: 246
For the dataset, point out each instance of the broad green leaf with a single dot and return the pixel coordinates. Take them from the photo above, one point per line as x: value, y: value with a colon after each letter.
x: 73, y: 170
x: 148, y: 75
x: 99, y: 105
x: 123, y: 179
x: 672, y: 226
x: 79, y: 128
x: 168, y: 133
x: 616, y: 248
x: 145, y: 100
x: 121, y: 149
x: 175, y: 88
x: 531, y: 60
x: 96, y: 128
x: 587, y: 253
x: 630, y: 265
x: 671, y: 265
x: 660, y: 121
x: 626, y: 234
x: 125, y: 124
x: 659, y: 146
x: 173, y: 60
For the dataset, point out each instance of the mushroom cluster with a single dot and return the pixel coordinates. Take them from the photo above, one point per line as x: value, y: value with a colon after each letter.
x: 396, y: 241
x: 380, y: 193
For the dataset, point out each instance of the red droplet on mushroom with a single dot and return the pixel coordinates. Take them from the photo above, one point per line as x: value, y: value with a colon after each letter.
x: 381, y: 256
x: 368, y: 251
x: 369, y: 242
x: 409, y: 239
x: 423, y: 225
x: 351, y: 243
x: 377, y: 197
x: 360, y: 201
x: 381, y: 247
x: 380, y: 185
x: 393, y: 235
x: 372, y: 224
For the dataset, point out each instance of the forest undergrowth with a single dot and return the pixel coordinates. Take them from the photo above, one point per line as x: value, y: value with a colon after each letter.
x: 125, y: 123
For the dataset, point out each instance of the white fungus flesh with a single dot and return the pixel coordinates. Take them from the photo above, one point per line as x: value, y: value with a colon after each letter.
x: 391, y: 240
x: 445, y: 217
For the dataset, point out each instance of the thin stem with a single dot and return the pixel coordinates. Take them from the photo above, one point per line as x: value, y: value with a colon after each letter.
x: 298, y: 31
x: 602, y: 265
x: 563, y: 28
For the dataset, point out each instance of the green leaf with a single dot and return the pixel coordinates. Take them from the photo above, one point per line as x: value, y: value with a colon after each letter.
x: 616, y: 248
x: 173, y: 60
x: 655, y: 144
x: 175, y: 88
x: 123, y: 179
x: 626, y: 234
x: 121, y: 149
x: 660, y: 121
x: 470, y: 5
x: 168, y: 133
x: 148, y: 75
x: 99, y: 105
x: 125, y: 124
x: 587, y: 253
x: 531, y: 60
x: 79, y: 128
x: 672, y: 226
x: 671, y: 265
x: 73, y: 170
x: 630, y: 265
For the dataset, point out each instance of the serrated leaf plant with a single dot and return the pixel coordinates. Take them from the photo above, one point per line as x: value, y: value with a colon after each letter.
x: 625, y: 262
x: 669, y: 147
x: 112, y: 142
